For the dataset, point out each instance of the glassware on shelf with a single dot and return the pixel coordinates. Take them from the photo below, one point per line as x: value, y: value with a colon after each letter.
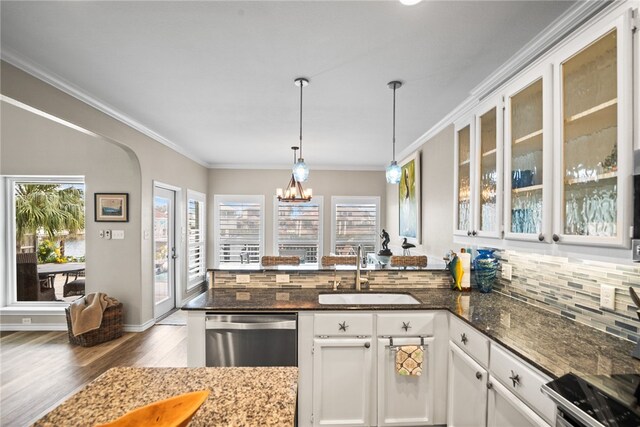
x: 464, y: 178
x: 488, y: 171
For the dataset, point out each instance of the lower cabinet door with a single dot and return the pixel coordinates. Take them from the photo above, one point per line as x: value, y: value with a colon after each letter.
x: 506, y: 410
x: 405, y: 400
x: 342, y: 381
x: 467, y: 397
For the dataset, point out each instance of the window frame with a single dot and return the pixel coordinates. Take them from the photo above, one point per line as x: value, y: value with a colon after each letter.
x: 228, y: 198
x: 335, y: 200
x: 8, y: 297
x: 316, y: 200
x: 201, y: 198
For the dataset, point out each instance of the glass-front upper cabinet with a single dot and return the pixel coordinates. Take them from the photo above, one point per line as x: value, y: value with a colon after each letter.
x: 463, y: 154
x: 528, y: 156
x: 594, y: 147
x: 488, y: 174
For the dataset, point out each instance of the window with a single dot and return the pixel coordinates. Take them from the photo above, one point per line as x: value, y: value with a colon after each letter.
x: 354, y: 221
x: 46, y: 239
x: 298, y: 229
x: 239, y: 234
x: 196, y: 212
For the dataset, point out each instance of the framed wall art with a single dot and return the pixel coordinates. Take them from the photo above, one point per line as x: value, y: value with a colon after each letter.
x: 111, y: 207
x: 409, y: 203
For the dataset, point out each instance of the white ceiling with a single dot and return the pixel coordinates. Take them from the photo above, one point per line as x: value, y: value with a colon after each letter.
x: 216, y: 77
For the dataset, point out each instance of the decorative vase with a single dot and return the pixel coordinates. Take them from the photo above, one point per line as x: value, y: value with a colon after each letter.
x: 486, y: 268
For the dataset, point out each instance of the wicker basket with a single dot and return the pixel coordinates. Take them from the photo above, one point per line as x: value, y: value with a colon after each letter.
x: 269, y: 261
x: 409, y: 261
x: 110, y: 328
x: 331, y: 260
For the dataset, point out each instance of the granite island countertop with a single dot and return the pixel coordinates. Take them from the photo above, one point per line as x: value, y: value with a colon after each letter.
x: 554, y: 344
x: 239, y: 396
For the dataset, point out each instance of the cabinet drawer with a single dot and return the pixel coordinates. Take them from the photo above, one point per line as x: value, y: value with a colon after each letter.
x: 471, y: 341
x: 528, y: 382
x: 409, y: 324
x: 343, y: 324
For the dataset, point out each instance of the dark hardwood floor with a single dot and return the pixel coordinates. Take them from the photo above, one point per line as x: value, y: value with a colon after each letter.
x: 38, y: 370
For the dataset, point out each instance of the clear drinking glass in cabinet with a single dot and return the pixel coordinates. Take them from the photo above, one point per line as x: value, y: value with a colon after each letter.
x: 589, y: 81
x: 488, y: 171
x: 464, y: 178
x: 526, y: 160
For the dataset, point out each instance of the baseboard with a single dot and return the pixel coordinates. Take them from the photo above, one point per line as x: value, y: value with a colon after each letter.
x: 139, y: 328
x: 63, y: 327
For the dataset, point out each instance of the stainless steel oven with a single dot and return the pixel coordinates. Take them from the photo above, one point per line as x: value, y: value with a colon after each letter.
x: 257, y: 339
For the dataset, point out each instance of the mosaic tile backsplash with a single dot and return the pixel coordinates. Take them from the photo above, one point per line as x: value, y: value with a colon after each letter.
x: 571, y: 288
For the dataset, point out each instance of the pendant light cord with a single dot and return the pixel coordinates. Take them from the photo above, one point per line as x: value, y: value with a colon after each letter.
x: 394, y: 122
x: 301, y: 85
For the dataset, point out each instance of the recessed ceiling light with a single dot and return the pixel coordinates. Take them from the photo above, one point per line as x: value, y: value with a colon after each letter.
x: 410, y: 2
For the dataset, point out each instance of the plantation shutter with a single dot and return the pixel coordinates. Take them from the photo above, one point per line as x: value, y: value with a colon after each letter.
x: 239, y: 232
x: 196, y: 241
x: 298, y: 230
x: 355, y: 224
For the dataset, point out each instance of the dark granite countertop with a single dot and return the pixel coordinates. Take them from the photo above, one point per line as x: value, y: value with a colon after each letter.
x: 239, y: 396
x: 554, y: 344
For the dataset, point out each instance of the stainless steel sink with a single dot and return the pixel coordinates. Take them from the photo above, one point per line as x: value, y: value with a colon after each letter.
x: 367, y: 299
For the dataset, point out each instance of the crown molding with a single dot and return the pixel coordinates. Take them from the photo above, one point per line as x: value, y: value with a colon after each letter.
x: 553, y: 34
x: 69, y: 88
x: 254, y: 166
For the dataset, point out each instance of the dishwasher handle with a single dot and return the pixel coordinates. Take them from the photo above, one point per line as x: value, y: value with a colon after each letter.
x: 217, y: 324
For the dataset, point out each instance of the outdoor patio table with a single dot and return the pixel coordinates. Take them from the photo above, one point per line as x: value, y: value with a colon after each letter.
x: 66, y: 268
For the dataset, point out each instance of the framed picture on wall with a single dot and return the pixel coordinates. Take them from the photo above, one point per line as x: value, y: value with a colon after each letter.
x: 409, y: 203
x: 111, y: 207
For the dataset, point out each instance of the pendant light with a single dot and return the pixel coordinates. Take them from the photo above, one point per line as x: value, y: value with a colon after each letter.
x: 300, y: 168
x: 294, y: 191
x: 393, y: 170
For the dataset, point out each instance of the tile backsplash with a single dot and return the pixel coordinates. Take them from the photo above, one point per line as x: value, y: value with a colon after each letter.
x: 571, y: 287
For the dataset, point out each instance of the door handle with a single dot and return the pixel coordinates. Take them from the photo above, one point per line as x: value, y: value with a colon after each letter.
x: 173, y: 253
x: 215, y: 324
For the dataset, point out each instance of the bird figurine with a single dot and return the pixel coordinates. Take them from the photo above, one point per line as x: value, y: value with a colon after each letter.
x: 406, y: 247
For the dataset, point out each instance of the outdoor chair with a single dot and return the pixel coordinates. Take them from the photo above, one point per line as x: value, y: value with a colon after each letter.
x: 30, y: 287
x: 73, y: 288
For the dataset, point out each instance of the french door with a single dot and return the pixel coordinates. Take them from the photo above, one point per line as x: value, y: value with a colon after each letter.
x: 164, y: 251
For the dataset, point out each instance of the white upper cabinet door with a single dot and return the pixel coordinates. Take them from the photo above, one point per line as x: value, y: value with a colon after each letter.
x: 593, y: 135
x: 342, y: 381
x: 528, y: 156
x: 467, y: 396
x: 463, y: 177
x: 488, y: 169
x: 506, y: 410
x: 405, y: 400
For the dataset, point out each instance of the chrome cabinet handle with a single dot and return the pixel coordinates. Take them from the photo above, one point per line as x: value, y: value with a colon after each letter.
x: 469, y: 233
x: 367, y: 345
x: 489, y: 386
x: 343, y: 326
x: 474, y: 233
x: 479, y: 375
x: 515, y: 378
x: 541, y: 237
x: 406, y: 326
x: 464, y: 338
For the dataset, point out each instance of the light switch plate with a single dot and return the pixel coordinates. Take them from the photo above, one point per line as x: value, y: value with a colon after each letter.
x: 107, y: 234
x: 282, y: 278
x: 117, y: 234
x: 607, y: 297
x: 243, y: 278
x: 507, y: 269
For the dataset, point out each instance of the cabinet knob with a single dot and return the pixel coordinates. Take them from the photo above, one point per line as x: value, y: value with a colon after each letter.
x: 541, y: 237
x: 468, y: 233
x: 474, y: 232
x: 464, y: 338
x: 406, y: 326
x: 367, y: 345
x: 515, y: 378
x: 479, y: 375
x: 556, y: 238
x: 489, y: 386
x: 343, y: 326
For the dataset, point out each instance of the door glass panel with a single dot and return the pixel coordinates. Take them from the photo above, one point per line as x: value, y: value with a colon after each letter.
x: 589, y: 81
x: 464, y: 178
x: 161, y: 240
x: 488, y: 172
x: 526, y: 160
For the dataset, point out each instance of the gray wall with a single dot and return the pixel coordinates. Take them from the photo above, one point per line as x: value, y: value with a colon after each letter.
x: 437, y: 198
x: 156, y: 162
x: 323, y: 182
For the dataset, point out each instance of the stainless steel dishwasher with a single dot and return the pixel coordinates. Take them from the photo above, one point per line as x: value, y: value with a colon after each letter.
x: 257, y: 339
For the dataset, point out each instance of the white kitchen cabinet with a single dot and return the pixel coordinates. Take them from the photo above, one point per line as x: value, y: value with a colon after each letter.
x: 464, y: 177
x: 528, y: 156
x: 467, y: 396
x: 506, y: 410
x: 593, y: 135
x: 342, y: 381
x: 405, y: 400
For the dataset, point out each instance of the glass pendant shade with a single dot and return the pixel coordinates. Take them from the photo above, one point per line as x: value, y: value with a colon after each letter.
x: 393, y: 173
x: 300, y: 171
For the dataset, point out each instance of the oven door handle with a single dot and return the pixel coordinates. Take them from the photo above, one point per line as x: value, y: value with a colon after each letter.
x: 216, y: 324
